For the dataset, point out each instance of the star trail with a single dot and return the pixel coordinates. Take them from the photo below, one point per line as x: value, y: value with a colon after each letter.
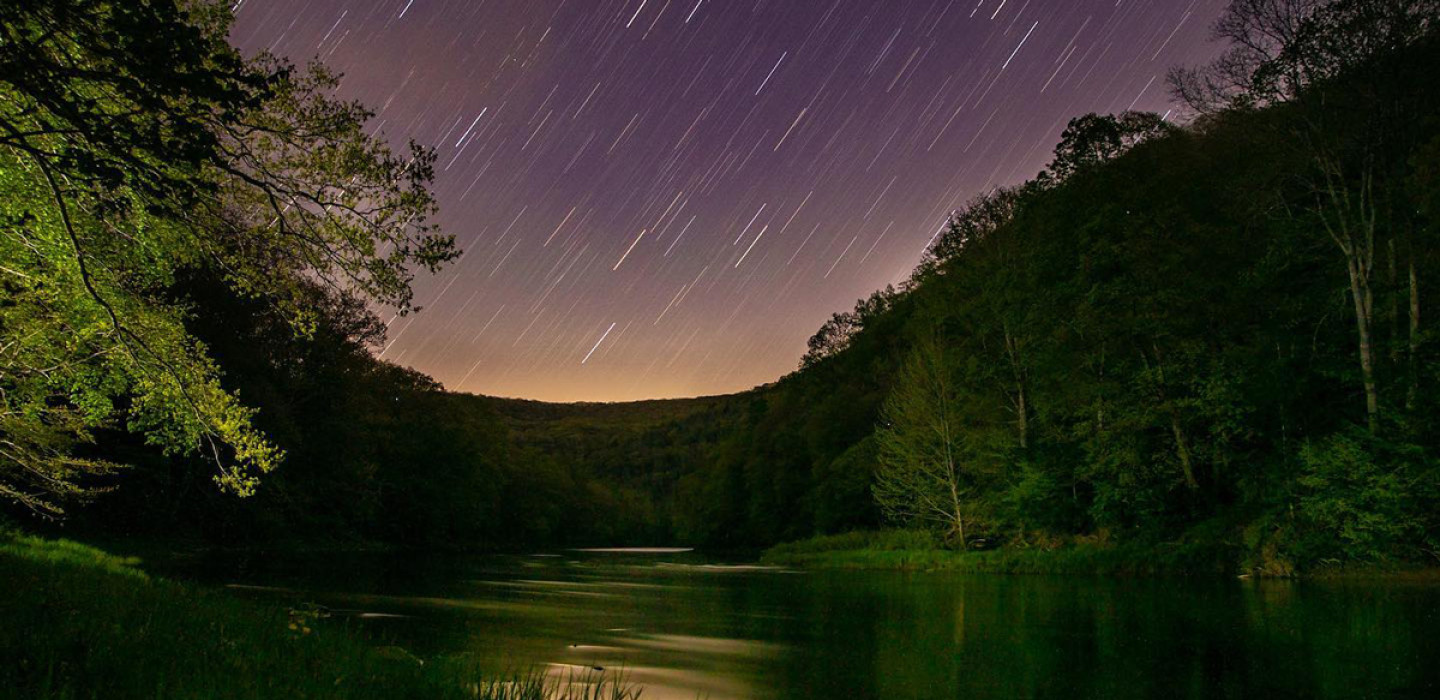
x: 662, y: 198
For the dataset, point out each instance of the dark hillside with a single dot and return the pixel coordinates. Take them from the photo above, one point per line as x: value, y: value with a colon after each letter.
x: 1216, y: 333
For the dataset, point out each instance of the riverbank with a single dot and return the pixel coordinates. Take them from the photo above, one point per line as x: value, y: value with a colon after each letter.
x: 81, y: 623
x: 900, y: 550
x: 917, y: 551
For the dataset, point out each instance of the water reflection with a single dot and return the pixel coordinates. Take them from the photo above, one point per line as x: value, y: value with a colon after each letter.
x: 684, y: 627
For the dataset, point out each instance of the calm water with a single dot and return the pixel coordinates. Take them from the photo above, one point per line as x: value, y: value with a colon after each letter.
x: 686, y: 628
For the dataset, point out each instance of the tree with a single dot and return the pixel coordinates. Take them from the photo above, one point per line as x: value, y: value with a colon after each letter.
x: 1250, y: 72
x: 832, y: 338
x: 835, y: 334
x: 1278, y: 48
x: 136, y: 143
x: 1302, y: 53
x: 1094, y: 139
x: 974, y: 222
x: 927, y: 472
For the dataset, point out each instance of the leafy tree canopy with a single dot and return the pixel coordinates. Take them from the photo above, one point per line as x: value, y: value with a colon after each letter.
x: 136, y: 143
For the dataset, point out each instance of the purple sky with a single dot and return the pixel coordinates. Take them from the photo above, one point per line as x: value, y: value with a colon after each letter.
x: 664, y: 198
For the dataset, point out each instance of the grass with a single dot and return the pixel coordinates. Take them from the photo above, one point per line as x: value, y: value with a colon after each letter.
x: 908, y: 550
x: 77, y: 622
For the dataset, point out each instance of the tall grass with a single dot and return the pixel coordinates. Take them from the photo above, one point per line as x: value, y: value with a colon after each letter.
x: 868, y: 540
x: 586, y: 685
x: 76, y: 622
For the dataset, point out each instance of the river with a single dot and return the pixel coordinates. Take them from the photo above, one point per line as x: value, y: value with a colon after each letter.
x: 685, y: 627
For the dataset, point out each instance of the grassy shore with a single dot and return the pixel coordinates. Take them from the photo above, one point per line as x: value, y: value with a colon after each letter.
x: 908, y: 550
x: 76, y: 622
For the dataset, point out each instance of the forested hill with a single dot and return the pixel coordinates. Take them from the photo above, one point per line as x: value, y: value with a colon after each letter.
x: 1212, y: 333
x: 1216, y: 332
x: 555, y: 419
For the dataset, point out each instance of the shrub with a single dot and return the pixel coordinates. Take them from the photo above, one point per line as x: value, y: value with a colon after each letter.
x: 1362, y: 499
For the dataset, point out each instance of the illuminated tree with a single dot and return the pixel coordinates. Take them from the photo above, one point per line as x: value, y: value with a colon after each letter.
x: 136, y: 143
x: 928, y: 474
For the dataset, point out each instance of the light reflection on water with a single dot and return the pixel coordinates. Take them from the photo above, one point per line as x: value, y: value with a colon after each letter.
x: 685, y: 627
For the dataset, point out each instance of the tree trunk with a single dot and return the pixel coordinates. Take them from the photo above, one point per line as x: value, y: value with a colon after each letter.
x: 955, y: 498
x: 951, y: 472
x: 1362, y: 295
x: 1352, y: 227
x: 1183, y: 450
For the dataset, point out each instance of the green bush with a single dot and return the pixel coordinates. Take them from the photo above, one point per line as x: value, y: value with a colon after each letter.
x: 1363, y: 499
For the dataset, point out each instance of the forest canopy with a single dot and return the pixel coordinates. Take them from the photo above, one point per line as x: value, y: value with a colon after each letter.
x: 1211, y: 333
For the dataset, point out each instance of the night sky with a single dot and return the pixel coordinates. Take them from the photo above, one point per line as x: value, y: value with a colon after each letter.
x: 663, y: 198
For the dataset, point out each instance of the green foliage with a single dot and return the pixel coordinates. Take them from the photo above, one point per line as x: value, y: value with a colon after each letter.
x: 1363, y: 499
x: 842, y: 496
x: 934, y: 462
x: 1038, y: 497
x: 136, y: 146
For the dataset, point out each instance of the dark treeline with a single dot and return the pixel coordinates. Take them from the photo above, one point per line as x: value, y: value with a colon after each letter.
x: 375, y: 454
x: 1212, y: 333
